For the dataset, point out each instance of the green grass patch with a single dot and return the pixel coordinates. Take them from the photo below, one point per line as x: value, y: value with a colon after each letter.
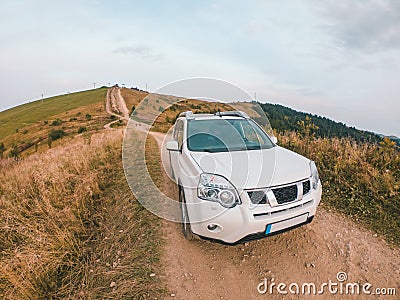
x: 18, y: 117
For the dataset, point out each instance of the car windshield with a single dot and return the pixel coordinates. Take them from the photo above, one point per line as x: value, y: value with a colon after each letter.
x: 222, y: 135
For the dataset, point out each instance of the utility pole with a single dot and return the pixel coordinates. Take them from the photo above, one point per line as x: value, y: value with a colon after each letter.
x: 42, y: 97
x: 94, y: 85
x: 146, y: 86
x: 255, y: 96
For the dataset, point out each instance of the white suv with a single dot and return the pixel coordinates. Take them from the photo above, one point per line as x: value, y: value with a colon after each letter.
x: 235, y: 183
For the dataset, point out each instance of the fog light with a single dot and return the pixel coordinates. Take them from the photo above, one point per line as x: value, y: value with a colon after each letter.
x: 212, y: 227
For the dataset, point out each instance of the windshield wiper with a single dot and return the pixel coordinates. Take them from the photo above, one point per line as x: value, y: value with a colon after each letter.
x: 254, y: 147
x: 213, y: 150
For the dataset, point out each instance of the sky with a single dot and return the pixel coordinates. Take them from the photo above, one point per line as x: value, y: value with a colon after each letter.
x: 334, y: 58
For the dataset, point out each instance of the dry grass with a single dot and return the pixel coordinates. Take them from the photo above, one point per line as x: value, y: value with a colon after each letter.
x: 70, y: 227
x: 153, y: 162
x: 360, y: 180
x: 166, y: 119
x: 132, y: 97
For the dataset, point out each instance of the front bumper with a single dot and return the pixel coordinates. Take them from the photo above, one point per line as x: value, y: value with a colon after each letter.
x: 258, y: 235
x: 248, y: 222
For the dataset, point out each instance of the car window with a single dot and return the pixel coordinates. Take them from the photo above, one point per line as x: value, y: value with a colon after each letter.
x: 250, y: 134
x: 178, y: 133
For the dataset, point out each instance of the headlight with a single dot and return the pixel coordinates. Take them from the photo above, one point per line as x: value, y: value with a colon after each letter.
x: 217, y: 188
x: 314, y: 175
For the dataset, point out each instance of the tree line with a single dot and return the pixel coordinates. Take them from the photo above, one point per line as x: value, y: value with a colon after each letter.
x: 283, y: 119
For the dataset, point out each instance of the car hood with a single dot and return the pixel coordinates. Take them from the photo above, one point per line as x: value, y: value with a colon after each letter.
x: 255, y: 168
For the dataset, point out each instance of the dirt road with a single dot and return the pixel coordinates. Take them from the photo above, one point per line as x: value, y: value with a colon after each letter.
x: 116, y: 106
x: 314, y: 253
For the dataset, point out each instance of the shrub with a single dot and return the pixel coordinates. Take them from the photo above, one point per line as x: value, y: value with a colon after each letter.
x: 56, y: 134
x: 2, y: 149
x: 56, y: 122
x: 14, y: 153
x: 82, y: 129
x: 88, y: 117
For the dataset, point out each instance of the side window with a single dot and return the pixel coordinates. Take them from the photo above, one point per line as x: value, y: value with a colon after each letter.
x: 178, y: 133
x: 250, y: 134
x: 175, y: 133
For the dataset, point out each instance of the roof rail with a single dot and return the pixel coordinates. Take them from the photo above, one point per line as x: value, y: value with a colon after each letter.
x: 187, y: 114
x: 232, y: 113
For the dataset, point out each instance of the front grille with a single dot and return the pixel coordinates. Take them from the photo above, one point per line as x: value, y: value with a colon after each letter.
x: 306, y: 187
x: 258, y: 197
x: 285, y: 194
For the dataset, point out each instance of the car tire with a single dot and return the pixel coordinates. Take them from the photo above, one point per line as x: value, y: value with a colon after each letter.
x: 186, y: 228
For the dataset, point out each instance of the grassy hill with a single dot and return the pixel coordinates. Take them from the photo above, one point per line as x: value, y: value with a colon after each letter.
x: 27, y: 114
x: 282, y: 119
x: 152, y: 108
x: 25, y: 129
x: 70, y: 227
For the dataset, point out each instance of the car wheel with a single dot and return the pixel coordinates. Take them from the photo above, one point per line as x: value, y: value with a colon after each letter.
x: 186, y: 228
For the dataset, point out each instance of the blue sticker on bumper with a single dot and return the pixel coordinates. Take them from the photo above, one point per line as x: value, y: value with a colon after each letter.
x: 268, y: 230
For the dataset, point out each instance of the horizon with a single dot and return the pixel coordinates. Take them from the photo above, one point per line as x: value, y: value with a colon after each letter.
x: 316, y: 57
x: 257, y: 100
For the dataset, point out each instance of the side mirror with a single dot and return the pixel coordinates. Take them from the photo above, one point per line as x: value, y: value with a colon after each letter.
x: 172, y: 146
x: 274, y: 139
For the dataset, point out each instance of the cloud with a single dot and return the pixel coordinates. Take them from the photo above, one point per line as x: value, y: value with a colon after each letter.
x: 139, y: 51
x: 254, y: 27
x: 368, y: 25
